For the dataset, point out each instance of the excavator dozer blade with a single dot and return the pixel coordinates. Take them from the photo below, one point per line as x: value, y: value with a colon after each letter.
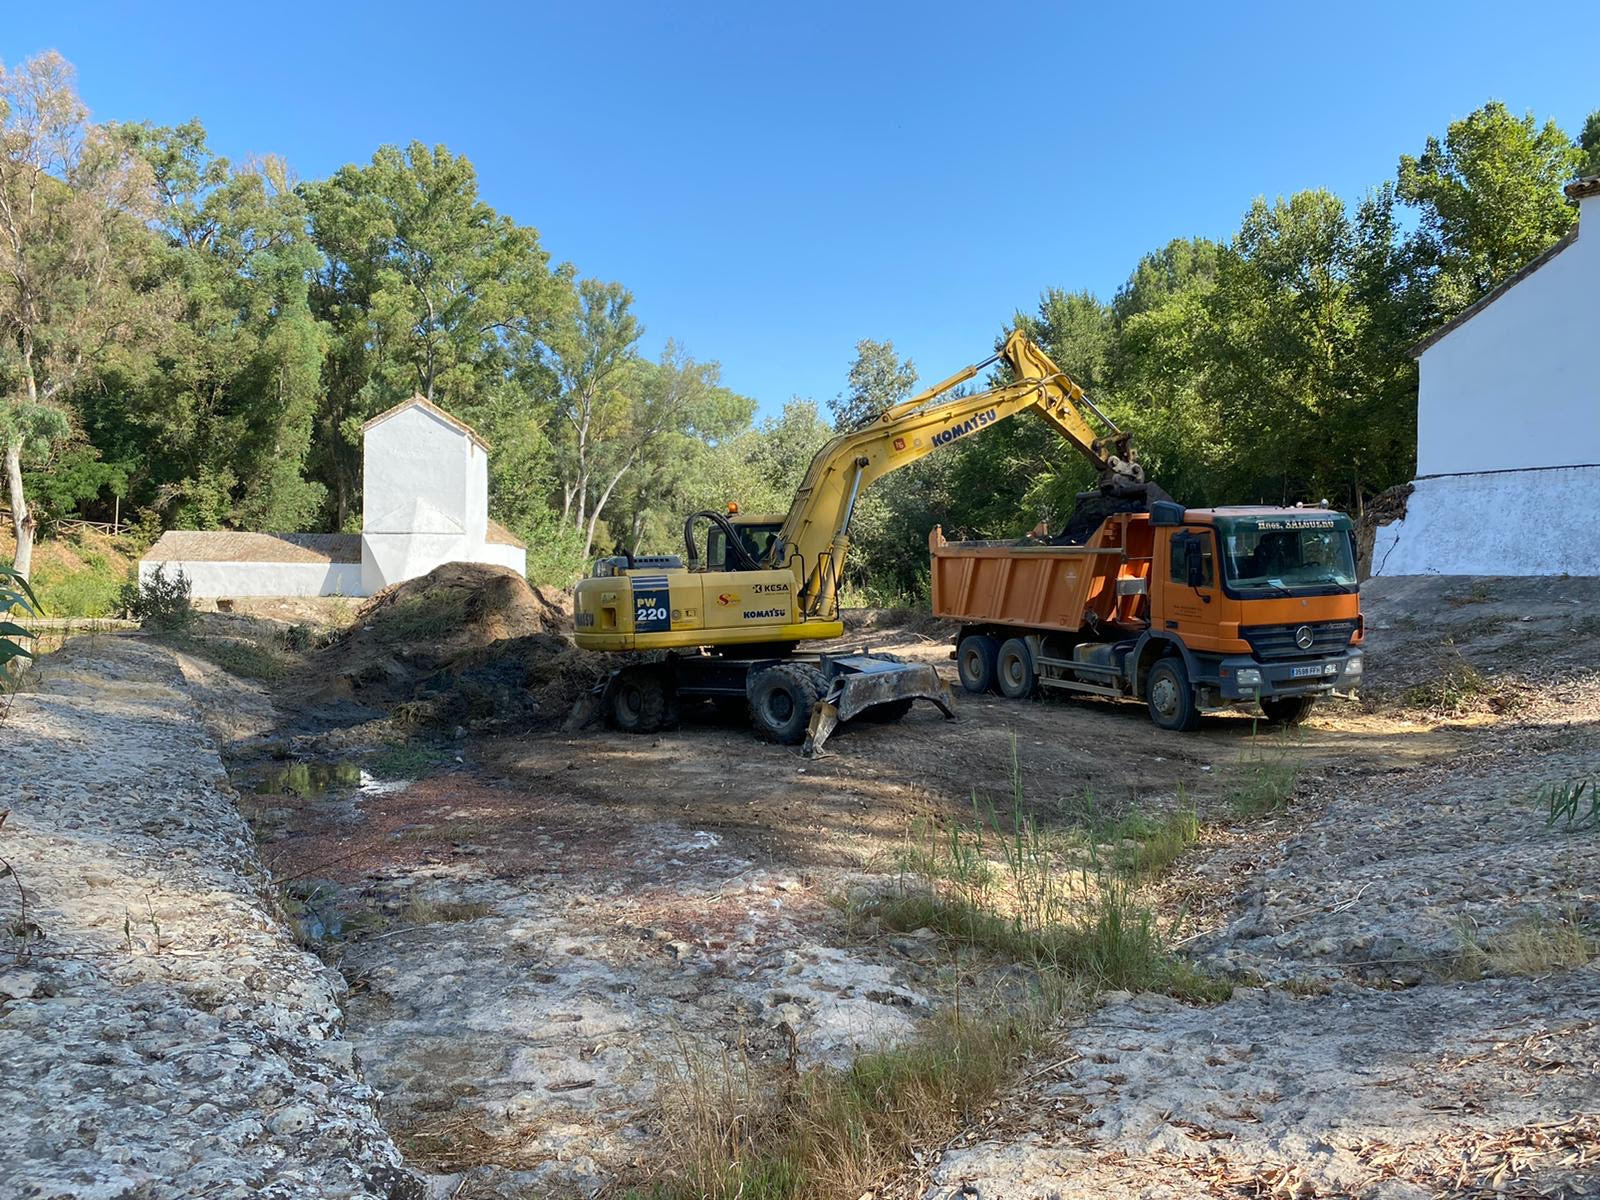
x: 862, y: 682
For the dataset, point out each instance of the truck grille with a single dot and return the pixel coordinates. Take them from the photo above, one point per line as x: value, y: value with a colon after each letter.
x: 1281, y: 641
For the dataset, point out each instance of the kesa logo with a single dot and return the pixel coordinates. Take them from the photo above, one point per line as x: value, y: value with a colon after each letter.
x: 727, y: 599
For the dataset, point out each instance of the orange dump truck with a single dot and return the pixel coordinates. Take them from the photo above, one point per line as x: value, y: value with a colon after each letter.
x: 1187, y: 610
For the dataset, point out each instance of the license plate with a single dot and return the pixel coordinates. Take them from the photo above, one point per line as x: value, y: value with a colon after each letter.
x: 1305, y: 672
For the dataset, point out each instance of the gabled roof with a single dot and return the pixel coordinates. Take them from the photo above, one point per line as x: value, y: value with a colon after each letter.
x: 226, y: 545
x: 1578, y: 189
x: 499, y: 535
x: 1500, y: 289
x: 433, y: 409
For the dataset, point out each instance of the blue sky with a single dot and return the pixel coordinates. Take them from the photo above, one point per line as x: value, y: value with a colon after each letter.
x: 776, y: 182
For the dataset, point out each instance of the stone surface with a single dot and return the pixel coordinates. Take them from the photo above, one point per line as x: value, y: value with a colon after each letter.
x: 164, y: 1037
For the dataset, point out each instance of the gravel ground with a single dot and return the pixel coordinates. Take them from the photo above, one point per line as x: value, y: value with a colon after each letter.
x: 162, y: 1034
x: 1392, y: 1055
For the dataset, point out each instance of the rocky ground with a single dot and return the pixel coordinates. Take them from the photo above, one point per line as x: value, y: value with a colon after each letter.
x: 162, y: 1033
x: 528, y: 928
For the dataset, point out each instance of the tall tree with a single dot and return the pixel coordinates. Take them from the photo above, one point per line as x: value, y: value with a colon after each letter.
x: 73, y: 197
x: 878, y: 379
x: 235, y: 391
x: 596, y: 363
x: 1489, y: 197
x: 425, y: 289
x: 1589, y: 145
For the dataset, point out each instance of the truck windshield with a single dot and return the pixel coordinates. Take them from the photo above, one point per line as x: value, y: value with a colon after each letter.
x: 1288, y: 554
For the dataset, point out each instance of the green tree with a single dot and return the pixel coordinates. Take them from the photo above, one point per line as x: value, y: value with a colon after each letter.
x: 227, y: 412
x: 596, y: 364
x: 1589, y: 146
x: 1489, y: 197
x: 878, y: 379
x: 425, y: 289
x: 73, y: 247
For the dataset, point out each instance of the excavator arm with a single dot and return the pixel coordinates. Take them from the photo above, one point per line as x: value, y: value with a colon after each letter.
x: 815, y: 536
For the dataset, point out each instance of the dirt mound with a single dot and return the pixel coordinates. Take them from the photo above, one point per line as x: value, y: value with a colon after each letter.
x: 465, y: 644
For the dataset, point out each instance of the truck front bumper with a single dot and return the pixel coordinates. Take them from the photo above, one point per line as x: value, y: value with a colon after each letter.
x: 1245, y: 678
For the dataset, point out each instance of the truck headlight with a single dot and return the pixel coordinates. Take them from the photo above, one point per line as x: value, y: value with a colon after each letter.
x: 1249, y: 677
x: 1353, y: 667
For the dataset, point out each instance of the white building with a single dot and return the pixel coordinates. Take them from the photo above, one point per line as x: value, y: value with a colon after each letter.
x: 425, y: 502
x: 1508, y: 425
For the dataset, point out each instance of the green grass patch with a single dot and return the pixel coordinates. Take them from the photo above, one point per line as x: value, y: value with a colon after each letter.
x: 237, y: 656
x: 1570, y: 803
x: 403, y: 760
x: 426, y: 616
x: 1264, y: 782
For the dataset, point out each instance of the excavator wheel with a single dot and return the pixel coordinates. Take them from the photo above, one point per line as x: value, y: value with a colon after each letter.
x: 641, y: 700
x: 781, y: 700
x: 976, y: 656
x: 1014, y: 670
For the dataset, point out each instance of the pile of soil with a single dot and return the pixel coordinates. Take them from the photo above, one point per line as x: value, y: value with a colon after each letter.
x: 1092, y: 509
x: 465, y: 644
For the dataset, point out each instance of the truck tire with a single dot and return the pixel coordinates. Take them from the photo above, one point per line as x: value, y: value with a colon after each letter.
x: 781, y: 700
x: 641, y: 700
x: 976, y: 655
x: 1170, y: 696
x: 1288, y: 710
x: 1014, y: 670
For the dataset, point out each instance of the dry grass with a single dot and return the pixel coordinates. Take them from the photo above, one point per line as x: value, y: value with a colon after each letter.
x: 422, y: 911
x: 1265, y: 780
x: 456, y: 1140
x: 1537, y: 947
x: 1065, y: 902
x: 731, y: 1132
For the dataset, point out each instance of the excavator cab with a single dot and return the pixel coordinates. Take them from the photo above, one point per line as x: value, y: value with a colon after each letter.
x: 756, y: 536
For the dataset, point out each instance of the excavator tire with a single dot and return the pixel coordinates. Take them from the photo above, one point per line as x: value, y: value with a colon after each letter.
x: 781, y: 700
x: 976, y: 656
x: 1288, y: 710
x: 641, y: 700
x: 1014, y: 670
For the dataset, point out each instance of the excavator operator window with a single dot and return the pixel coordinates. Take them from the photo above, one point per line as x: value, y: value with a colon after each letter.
x: 716, y: 550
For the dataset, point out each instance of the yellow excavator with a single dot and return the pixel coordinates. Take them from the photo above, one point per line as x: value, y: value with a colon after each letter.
x: 731, y: 613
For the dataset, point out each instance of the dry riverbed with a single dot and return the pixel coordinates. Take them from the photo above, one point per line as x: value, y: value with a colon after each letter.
x: 521, y: 932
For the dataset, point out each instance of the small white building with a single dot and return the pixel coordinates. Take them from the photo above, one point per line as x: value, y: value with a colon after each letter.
x: 425, y: 502
x: 1508, y: 425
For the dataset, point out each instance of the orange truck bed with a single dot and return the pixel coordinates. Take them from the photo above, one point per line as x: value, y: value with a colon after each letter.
x: 1038, y: 586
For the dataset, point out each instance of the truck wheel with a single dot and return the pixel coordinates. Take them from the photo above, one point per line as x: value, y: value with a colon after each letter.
x: 1170, y: 697
x: 1288, y: 710
x: 1014, y: 670
x: 641, y: 702
x: 781, y: 700
x: 976, y: 656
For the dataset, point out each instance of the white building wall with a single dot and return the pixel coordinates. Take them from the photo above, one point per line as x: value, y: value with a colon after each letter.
x: 1496, y: 523
x: 477, y: 508
x: 502, y: 555
x: 1516, y: 385
x: 414, y: 456
x: 208, y: 580
x: 388, y: 558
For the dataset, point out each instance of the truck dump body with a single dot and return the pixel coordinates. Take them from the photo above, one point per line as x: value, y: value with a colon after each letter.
x: 1041, y: 586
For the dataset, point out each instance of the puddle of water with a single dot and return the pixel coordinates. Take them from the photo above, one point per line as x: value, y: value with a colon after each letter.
x: 308, y: 779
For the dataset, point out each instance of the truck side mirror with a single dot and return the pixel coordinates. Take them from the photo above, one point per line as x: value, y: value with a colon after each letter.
x: 1194, y: 563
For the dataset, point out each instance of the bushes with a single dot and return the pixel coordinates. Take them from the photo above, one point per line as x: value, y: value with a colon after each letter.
x: 160, y: 601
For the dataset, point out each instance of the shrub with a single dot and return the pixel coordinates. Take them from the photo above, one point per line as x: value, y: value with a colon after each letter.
x: 16, y: 599
x: 159, y: 601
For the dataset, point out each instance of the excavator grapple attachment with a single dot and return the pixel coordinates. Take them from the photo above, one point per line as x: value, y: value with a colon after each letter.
x: 863, y: 682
